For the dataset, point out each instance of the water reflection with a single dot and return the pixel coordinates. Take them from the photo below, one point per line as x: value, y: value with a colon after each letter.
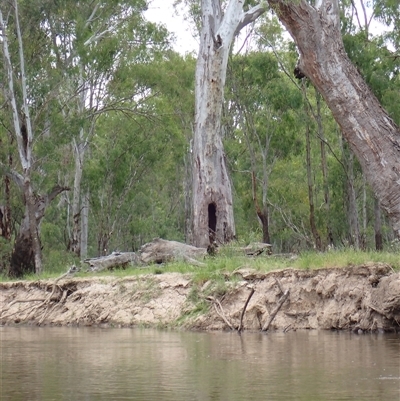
x: 124, y: 364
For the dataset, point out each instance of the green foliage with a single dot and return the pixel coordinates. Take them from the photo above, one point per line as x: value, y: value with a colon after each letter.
x: 58, y: 261
x: 136, y: 123
x: 5, y: 253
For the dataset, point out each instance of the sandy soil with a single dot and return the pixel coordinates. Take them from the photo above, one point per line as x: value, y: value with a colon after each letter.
x: 360, y: 298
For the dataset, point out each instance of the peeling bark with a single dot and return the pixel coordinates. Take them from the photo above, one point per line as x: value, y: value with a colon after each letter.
x: 372, y: 135
x: 212, y: 194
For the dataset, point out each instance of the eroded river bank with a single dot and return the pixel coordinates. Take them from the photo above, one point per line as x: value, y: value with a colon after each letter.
x: 364, y: 298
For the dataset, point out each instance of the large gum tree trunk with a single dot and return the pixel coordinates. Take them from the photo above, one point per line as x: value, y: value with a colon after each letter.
x: 212, y: 194
x: 27, y: 246
x: 372, y: 135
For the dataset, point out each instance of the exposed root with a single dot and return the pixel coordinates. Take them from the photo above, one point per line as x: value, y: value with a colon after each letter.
x: 220, y: 311
x: 43, y: 301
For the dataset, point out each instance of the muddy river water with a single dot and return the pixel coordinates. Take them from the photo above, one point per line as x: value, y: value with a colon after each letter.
x: 87, y: 364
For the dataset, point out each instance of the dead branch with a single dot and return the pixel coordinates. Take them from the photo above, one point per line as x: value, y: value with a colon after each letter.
x: 220, y: 312
x: 279, y: 285
x: 276, y: 310
x: 375, y: 309
x: 240, y: 328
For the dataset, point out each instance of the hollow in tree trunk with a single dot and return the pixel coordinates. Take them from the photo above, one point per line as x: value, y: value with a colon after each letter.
x: 212, y: 194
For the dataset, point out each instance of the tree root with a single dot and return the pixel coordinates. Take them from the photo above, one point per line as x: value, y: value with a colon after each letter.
x: 43, y: 301
x: 220, y: 311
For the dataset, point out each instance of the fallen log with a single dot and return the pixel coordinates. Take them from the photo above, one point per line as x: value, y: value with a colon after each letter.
x: 116, y: 259
x: 257, y: 248
x: 162, y: 251
x: 158, y: 251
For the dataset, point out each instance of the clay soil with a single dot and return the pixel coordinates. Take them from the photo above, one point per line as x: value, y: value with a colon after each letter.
x: 361, y: 298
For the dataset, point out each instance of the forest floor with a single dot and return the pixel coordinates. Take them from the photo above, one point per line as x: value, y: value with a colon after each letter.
x: 361, y: 298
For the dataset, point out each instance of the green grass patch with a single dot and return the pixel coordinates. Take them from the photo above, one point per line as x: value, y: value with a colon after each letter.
x: 344, y: 258
x: 219, y: 267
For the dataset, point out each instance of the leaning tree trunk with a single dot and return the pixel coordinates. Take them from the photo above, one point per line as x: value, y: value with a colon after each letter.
x: 372, y: 135
x: 212, y: 194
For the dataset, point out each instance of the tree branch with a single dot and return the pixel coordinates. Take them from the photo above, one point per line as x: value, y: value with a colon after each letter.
x: 251, y: 15
x: 16, y: 177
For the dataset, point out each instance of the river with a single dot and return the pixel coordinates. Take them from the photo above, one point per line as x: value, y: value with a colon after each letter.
x: 93, y: 364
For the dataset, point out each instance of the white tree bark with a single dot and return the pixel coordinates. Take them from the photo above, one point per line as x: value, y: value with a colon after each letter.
x: 212, y: 194
x: 24, y: 135
x: 85, y: 224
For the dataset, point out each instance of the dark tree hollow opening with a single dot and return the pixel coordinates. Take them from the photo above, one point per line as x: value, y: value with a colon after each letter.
x: 212, y: 221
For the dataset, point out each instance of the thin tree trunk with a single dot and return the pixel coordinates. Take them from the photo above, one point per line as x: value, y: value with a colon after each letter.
x: 378, y: 226
x: 84, y: 225
x: 310, y: 180
x: 79, y: 154
x: 363, y: 233
x: 188, y: 195
x: 310, y: 183
x: 324, y: 168
x: 352, y: 212
x: 80, y: 147
x: 371, y: 133
x: 261, y: 214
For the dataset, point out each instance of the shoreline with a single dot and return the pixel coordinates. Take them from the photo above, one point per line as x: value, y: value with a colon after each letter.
x: 363, y: 298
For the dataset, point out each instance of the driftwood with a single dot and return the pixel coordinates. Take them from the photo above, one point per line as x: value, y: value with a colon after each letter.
x: 116, y: 259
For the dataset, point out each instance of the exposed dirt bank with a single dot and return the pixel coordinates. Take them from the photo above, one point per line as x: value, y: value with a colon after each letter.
x: 365, y: 297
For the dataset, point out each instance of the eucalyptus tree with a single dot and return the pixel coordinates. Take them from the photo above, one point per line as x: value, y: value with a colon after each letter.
x: 371, y: 133
x: 136, y: 185
x: 74, y: 49
x: 91, y: 40
x: 263, y: 105
x: 213, y: 218
x: 26, y: 254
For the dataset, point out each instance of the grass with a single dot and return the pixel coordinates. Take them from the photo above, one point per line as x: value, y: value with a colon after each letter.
x: 218, y: 268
